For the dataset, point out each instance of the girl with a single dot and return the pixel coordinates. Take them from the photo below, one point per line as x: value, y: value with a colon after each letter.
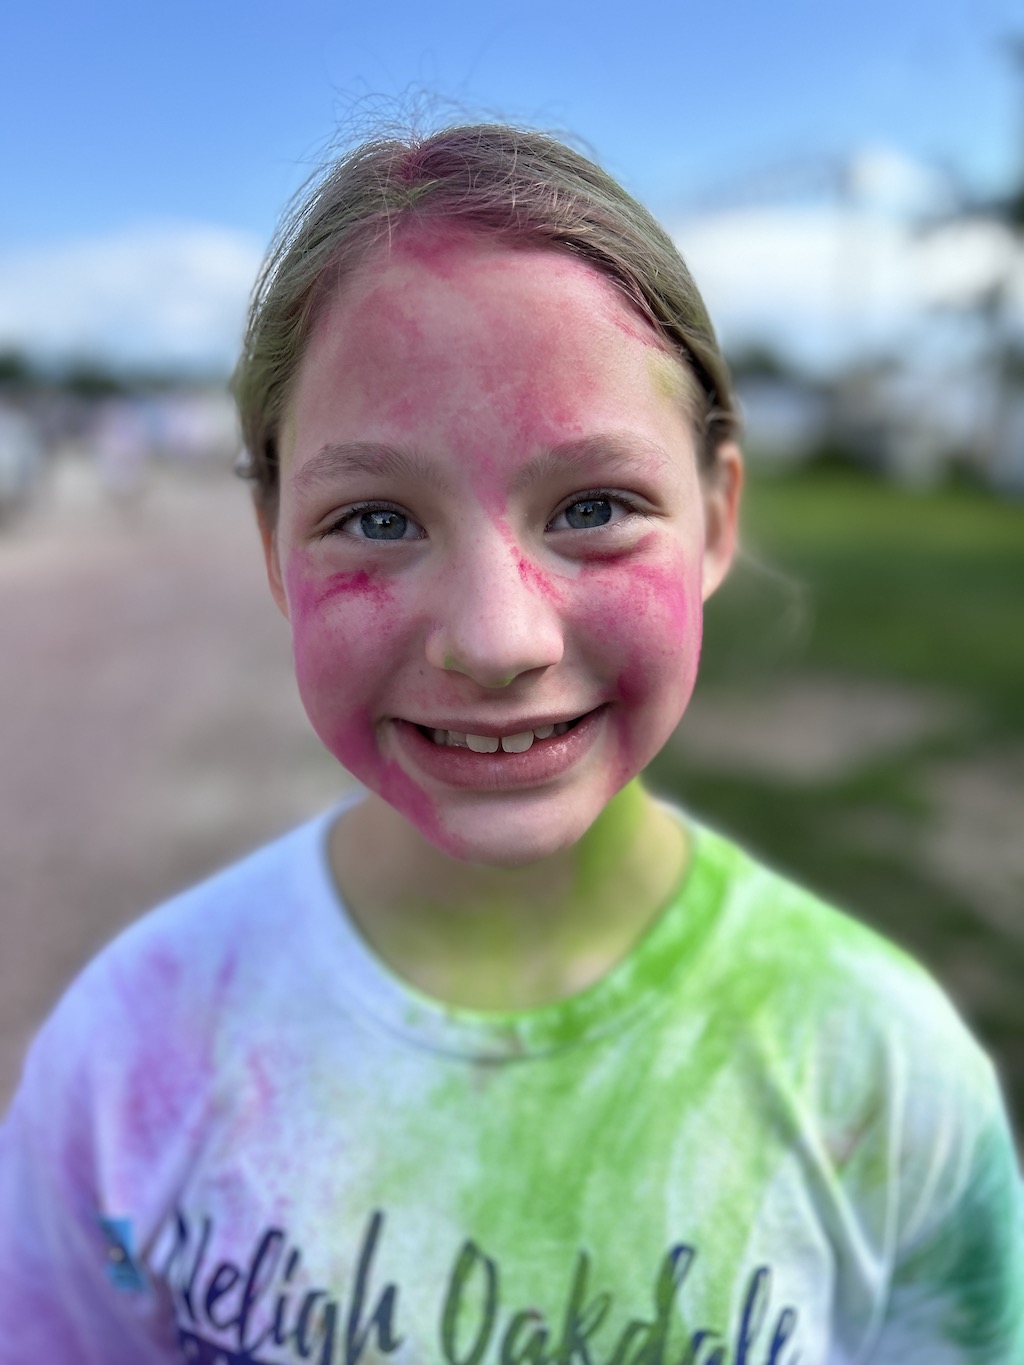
x: 505, y: 1061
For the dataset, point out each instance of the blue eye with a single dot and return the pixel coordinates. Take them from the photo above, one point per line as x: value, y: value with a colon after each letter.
x: 383, y: 524
x: 376, y: 522
x: 587, y: 512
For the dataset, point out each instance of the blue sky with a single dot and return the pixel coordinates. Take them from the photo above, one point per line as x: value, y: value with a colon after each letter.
x: 129, y: 122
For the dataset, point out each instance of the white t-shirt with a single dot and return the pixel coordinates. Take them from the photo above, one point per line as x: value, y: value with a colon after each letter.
x: 764, y: 1138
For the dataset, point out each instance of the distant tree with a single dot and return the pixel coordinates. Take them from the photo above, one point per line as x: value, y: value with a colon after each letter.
x: 92, y: 380
x: 16, y: 370
x: 761, y: 360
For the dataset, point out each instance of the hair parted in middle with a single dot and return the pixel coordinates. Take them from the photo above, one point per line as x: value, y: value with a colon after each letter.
x: 514, y: 184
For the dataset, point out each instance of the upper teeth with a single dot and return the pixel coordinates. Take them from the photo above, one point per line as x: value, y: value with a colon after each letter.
x: 488, y: 744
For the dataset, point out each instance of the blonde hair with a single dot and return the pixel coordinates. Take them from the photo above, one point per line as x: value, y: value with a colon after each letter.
x: 507, y: 182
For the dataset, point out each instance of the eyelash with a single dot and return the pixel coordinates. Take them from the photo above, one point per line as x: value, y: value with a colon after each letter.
x: 338, y: 527
x: 587, y: 495
x: 597, y: 495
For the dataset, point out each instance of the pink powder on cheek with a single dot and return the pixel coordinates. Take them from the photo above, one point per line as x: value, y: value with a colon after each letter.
x: 623, y: 604
x: 648, y: 622
x: 307, y: 592
x: 661, y: 590
x: 354, y: 744
x: 399, y: 790
x: 359, y: 583
x: 539, y: 581
x: 667, y: 665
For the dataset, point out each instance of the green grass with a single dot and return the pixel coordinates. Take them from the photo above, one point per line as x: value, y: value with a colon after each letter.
x: 850, y: 578
x: 925, y: 588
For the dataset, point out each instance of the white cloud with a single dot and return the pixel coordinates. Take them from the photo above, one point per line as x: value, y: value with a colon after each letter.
x: 888, y: 181
x: 830, y: 282
x: 166, y: 294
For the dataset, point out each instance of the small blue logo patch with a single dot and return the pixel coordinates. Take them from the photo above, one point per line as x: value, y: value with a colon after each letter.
x: 123, y: 1270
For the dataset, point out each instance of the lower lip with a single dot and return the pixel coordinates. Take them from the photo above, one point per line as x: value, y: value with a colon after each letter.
x: 545, y: 760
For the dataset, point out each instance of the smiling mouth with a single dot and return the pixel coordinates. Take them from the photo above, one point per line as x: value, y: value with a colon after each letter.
x: 490, y: 744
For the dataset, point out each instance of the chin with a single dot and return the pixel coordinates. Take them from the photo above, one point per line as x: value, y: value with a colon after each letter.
x: 511, y: 838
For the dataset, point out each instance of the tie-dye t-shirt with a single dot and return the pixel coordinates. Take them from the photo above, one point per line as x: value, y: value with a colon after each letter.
x: 763, y: 1139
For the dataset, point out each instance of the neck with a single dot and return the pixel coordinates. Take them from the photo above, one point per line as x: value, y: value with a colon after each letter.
x: 508, y: 938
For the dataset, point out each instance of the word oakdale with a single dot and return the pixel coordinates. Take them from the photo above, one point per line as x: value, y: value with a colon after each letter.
x: 253, y: 1311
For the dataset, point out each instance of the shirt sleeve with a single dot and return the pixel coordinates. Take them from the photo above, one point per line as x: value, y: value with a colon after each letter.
x: 956, y: 1294
x: 73, y: 1287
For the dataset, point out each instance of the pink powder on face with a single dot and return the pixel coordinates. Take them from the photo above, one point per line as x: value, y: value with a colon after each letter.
x: 538, y: 580
x: 359, y: 583
x: 307, y: 593
x: 637, y: 329
x: 354, y: 744
x: 647, y: 618
x: 459, y: 349
x: 682, y: 636
x: 400, y: 791
x: 652, y: 588
x: 433, y: 246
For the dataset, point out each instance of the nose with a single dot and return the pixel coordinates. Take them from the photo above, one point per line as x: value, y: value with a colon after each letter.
x: 497, y: 617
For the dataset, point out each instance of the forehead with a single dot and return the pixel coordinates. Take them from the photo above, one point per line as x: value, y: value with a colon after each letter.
x: 445, y: 334
x: 446, y: 259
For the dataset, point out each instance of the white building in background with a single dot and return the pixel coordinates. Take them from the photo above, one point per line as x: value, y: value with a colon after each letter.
x: 910, y: 424
x: 111, y: 440
x: 21, y: 458
x: 193, y: 424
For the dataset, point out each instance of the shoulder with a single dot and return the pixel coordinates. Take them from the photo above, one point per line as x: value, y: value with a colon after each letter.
x: 846, y: 1024
x: 807, y: 960
x: 855, y: 1034
x: 888, y: 1105
x: 184, y: 955
x: 136, y: 1045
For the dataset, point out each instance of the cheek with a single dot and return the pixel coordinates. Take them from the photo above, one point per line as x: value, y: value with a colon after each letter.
x: 646, y: 624
x: 346, y: 646
x: 310, y: 592
x: 341, y: 632
x: 653, y: 611
x: 662, y: 619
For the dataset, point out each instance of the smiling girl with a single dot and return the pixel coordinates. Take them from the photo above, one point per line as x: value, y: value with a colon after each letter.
x: 505, y: 1061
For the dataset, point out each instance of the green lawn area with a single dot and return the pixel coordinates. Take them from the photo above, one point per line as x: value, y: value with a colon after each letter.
x: 847, y: 579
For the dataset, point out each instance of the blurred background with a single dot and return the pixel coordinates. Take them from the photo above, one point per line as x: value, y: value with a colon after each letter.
x: 847, y: 184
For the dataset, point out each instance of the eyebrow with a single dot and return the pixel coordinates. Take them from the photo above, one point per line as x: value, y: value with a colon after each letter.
x: 613, y: 451
x: 365, y: 457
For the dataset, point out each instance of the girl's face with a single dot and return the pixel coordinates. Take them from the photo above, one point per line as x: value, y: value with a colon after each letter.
x: 492, y: 541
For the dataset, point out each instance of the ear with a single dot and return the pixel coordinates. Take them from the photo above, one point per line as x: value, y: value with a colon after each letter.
x: 266, y: 520
x: 722, y: 487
